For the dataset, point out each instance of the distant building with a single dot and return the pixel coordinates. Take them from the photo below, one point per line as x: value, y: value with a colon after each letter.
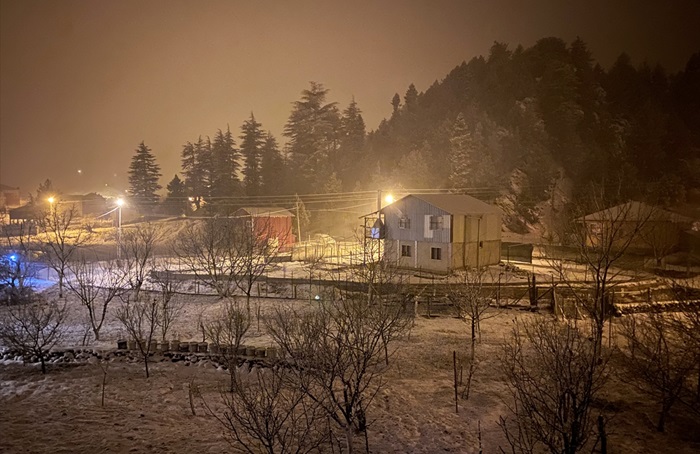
x: 274, y: 223
x: 85, y: 205
x: 9, y: 197
x: 640, y: 227
x: 439, y: 232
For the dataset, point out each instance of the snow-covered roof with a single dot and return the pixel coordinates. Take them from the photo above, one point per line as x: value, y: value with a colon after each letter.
x: 636, y: 211
x: 273, y: 212
x: 459, y: 204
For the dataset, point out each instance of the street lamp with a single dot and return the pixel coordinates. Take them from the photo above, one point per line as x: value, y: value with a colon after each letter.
x: 120, y: 203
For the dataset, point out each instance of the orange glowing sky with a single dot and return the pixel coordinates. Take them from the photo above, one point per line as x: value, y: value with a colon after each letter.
x: 83, y: 82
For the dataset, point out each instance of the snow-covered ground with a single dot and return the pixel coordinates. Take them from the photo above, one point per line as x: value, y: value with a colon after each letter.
x: 413, y: 413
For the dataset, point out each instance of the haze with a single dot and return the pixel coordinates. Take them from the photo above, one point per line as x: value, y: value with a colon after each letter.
x: 82, y: 83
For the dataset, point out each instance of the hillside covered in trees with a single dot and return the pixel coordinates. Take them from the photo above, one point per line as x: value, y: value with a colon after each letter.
x: 519, y: 127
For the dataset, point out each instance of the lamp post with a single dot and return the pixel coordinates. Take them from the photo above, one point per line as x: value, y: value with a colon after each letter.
x: 120, y: 203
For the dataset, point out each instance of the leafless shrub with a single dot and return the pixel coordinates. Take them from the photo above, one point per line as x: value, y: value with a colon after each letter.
x: 140, y: 320
x: 228, y: 254
x: 60, y: 236
x: 227, y: 330
x: 471, y: 301
x: 267, y: 412
x: 337, y: 356
x: 137, y: 254
x: 95, y: 285
x: 657, y: 360
x: 33, y: 328
x: 170, y: 308
x: 16, y: 266
x: 553, y: 373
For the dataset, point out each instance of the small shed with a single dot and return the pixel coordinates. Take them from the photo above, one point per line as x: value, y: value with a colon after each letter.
x: 274, y: 223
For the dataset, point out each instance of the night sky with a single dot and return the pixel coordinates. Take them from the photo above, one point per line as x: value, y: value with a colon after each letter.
x: 84, y: 82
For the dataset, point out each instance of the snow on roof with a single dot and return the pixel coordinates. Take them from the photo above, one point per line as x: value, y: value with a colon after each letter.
x: 459, y: 204
x: 274, y: 212
x: 636, y: 211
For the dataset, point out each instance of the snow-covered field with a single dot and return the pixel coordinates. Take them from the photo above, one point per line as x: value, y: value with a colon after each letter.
x: 414, y: 412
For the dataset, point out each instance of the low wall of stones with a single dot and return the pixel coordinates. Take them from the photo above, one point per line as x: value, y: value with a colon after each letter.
x: 187, y: 353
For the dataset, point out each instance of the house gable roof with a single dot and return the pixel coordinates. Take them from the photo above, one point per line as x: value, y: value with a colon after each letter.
x: 455, y: 204
x: 634, y: 212
x: 273, y: 212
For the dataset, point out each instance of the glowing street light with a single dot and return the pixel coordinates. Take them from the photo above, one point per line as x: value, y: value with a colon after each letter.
x: 51, y: 200
x: 389, y: 199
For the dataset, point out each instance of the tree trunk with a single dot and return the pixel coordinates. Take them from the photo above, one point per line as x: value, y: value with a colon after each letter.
x: 348, y: 438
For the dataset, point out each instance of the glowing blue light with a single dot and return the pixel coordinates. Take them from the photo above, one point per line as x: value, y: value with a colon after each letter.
x: 13, y: 258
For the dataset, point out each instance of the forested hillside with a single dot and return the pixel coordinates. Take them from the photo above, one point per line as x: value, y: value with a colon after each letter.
x: 521, y: 124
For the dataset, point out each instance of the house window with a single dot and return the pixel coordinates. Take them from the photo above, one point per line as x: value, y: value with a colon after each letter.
x: 405, y: 250
x: 436, y: 253
x: 404, y: 223
x: 435, y: 222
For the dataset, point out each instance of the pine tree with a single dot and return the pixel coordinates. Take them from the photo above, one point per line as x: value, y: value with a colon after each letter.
x: 395, y: 103
x: 195, y: 171
x: 272, y: 167
x: 312, y: 129
x: 411, y: 97
x: 176, y: 200
x: 352, y: 144
x: 143, y: 177
x: 223, y: 171
x: 461, y: 148
x: 252, y: 143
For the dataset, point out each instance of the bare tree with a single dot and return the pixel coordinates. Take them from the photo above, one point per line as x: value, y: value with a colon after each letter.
x: 685, y: 320
x: 267, y: 412
x: 206, y: 248
x: 337, y: 355
x: 32, y: 328
x: 171, y: 308
x: 603, y: 234
x: 657, y: 360
x: 16, y: 265
x: 380, y: 285
x: 95, y: 284
x: 60, y: 236
x: 229, y: 254
x: 257, y: 244
x: 138, y: 254
x: 140, y: 319
x: 554, y: 374
x: 471, y: 300
x: 227, y: 330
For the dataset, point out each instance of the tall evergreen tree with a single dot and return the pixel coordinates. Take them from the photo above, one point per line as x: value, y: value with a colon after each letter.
x: 143, y: 177
x: 411, y: 97
x: 312, y: 131
x: 352, y: 144
x: 395, y: 103
x: 223, y: 171
x: 461, y: 149
x: 176, y: 200
x: 252, y: 143
x: 272, y: 167
x: 195, y: 171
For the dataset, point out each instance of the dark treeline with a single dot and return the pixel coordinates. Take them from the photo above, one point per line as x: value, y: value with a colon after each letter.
x: 518, y: 127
